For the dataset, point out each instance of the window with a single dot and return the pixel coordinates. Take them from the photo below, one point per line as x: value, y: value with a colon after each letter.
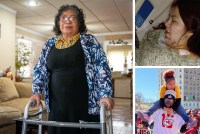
x: 186, y: 87
x: 24, y: 49
x: 117, y: 59
x: 35, y: 51
x: 186, y: 93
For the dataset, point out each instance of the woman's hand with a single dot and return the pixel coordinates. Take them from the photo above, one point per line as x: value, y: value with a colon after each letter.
x: 109, y: 102
x: 37, y: 98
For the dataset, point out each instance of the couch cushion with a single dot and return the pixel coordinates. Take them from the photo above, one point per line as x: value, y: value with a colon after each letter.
x: 7, y: 90
x: 20, y: 104
x: 8, y: 129
x: 8, y: 114
x: 24, y: 89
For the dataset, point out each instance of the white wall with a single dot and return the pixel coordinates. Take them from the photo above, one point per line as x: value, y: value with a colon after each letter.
x: 36, y: 51
x: 7, y: 39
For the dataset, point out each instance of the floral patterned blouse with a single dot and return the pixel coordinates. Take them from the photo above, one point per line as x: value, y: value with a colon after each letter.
x: 153, y: 52
x: 98, y: 73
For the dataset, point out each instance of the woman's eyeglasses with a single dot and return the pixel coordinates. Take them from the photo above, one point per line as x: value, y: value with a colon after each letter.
x: 71, y: 18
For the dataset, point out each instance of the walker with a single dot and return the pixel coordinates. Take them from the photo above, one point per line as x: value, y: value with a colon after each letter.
x: 105, y: 116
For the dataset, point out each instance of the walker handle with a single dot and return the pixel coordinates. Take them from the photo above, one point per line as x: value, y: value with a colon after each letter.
x: 26, y: 115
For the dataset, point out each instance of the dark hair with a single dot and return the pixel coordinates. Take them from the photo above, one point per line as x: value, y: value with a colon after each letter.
x: 190, y: 14
x: 80, y: 15
x: 160, y: 26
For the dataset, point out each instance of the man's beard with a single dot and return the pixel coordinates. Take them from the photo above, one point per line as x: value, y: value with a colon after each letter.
x: 168, y: 104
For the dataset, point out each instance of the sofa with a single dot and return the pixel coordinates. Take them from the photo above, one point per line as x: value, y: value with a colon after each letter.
x: 13, y: 98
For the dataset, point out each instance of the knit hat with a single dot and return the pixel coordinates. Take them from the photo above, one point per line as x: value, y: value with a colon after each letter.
x: 170, y: 94
x: 168, y: 75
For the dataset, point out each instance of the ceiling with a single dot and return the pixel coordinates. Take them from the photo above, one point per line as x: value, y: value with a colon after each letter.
x: 102, y: 16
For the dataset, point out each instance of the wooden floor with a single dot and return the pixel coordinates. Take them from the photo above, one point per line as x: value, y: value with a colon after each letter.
x: 122, y: 117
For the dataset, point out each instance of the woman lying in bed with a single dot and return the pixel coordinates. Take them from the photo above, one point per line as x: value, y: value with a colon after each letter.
x: 179, y: 43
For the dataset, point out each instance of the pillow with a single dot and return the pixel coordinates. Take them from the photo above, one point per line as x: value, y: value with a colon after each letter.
x: 24, y: 89
x: 7, y: 90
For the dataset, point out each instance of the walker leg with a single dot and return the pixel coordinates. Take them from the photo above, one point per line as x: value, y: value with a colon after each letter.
x: 40, y: 129
x: 41, y: 118
x: 103, y: 128
x: 110, y: 122
x: 26, y: 110
x: 24, y: 127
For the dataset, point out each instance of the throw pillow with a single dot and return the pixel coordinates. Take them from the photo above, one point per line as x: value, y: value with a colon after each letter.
x: 7, y: 90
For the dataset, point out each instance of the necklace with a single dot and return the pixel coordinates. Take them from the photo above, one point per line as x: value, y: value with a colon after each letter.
x: 62, y: 44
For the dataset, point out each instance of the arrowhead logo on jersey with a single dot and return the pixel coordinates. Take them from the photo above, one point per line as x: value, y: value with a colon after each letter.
x: 167, y: 121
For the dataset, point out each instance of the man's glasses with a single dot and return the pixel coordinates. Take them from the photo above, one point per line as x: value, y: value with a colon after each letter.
x: 71, y: 18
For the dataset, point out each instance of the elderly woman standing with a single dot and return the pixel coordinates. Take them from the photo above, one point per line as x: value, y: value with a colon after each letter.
x: 73, y: 73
